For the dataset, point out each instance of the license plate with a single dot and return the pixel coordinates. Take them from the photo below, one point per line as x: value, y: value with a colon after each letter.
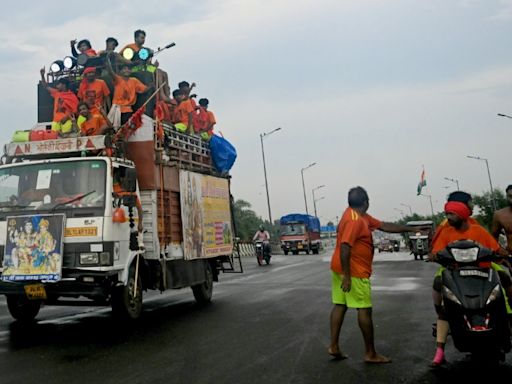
x: 299, y: 246
x: 473, y: 272
x: 35, y: 291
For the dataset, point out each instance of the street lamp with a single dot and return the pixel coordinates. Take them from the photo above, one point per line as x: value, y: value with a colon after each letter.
x: 503, y: 115
x: 431, y: 205
x: 489, y: 174
x: 263, y: 135
x: 313, y: 192
x: 304, y: 186
x: 408, y: 206
x: 453, y: 181
x: 314, y: 203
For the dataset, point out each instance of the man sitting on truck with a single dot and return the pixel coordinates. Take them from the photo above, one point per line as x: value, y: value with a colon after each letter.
x: 183, y: 113
x: 89, y: 123
x: 64, y: 106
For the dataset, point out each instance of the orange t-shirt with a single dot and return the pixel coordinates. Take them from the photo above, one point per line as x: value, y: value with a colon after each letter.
x: 65, y: 104
x: 125, y: 92
x: 182, y: 111
x: 444, y: 224
x: 93, y: 93
x: 93, y: 126
x: 448, y: 234
x: 355, y: 230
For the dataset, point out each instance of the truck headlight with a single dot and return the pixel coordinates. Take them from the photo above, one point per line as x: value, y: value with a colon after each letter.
x: 105, y: 258
x: 89, y: 258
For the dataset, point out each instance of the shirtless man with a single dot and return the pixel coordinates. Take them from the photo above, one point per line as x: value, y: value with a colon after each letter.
x: 502, y: 221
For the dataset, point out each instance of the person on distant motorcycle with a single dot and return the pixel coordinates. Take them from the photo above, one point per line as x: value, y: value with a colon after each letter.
x: 460, y: 227
x: 264, y: 237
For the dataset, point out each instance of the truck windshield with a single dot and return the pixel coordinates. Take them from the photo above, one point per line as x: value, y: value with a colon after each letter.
x: 293, y: 229
x: 46, y: 186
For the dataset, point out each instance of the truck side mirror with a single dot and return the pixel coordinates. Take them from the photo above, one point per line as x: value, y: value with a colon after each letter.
x: 130, y: 180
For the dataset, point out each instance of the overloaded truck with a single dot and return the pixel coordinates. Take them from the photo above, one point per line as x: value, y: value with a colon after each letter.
x: 300, y: 233
x: 69, y: 217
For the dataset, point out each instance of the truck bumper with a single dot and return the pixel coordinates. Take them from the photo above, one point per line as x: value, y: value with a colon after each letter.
x: 74, y: 284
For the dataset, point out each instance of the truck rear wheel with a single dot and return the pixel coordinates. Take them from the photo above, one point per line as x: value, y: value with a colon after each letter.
x: 315, y: 251
x: 285, y: 253
x: 295, y: 252
x: 126, y: 303
x: 203, y: 292
x: 23, y: 309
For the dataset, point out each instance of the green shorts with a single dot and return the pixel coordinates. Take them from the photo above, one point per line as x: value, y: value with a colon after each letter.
x: 359, y: 295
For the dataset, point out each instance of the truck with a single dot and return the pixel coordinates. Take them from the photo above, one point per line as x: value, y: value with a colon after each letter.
x: 300, y: 233
x: 69, y: 211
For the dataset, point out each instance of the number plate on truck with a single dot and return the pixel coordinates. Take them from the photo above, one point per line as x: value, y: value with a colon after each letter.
x: 35, y: 291
x: 472, y: 272
x: 299, y: 245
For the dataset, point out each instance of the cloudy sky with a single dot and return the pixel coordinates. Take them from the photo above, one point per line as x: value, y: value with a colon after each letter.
x: 369, y: 90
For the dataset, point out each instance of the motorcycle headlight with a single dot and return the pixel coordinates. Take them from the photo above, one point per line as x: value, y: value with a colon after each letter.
x: 494, y: 294
x: 450, y: 295
x: 465, y: 255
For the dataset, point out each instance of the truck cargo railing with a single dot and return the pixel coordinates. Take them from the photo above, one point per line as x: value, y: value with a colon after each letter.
x: 187, y: 151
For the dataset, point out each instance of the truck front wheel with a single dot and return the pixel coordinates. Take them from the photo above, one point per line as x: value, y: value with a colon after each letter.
x: 203, y: 292
x: 315, y: 251
x: 23, y: 309
x: 126, y: 300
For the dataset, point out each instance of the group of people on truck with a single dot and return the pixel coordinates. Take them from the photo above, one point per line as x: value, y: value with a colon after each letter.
x: 84, y: 112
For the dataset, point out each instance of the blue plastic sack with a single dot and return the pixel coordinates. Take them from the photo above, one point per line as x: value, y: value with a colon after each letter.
x: 223, y: 153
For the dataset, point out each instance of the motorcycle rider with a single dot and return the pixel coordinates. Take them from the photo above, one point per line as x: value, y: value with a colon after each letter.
x: 264, y: 237
x: 459, y: 227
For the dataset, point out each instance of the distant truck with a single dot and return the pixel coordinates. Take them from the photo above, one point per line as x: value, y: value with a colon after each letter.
x: 300, y: 233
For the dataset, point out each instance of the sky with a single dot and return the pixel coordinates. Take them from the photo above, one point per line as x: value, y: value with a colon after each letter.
x: 371, y: 91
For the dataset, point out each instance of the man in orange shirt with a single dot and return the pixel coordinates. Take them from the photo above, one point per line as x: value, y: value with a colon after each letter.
x: 183, y: 113
x: 126, y: 89
x: 203, y: 120
x: 89, y: 123
x: 351, y: 266
x: 161, y: 76
x: 94, y: 91
x: 64, y: 106
x: 459, y: 227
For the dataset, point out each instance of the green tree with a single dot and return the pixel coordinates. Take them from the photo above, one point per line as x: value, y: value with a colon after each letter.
x: 485, y: 206
x: 246, y: 220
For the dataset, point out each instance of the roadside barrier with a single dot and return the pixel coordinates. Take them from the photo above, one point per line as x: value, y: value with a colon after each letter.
x: 247, y: 248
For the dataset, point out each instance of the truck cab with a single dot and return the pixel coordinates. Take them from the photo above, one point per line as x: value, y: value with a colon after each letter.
x: 300, y: 233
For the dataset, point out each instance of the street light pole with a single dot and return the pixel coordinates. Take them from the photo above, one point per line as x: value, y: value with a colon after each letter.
x: 503, y: 115
x: 304, y: 186
x: 431, y: 205
x: 313, y: 192
x: 314, y: 203
x: 408, y: 206
x: 263, y: 135
x: 453, y: 181
x: 490, y: 181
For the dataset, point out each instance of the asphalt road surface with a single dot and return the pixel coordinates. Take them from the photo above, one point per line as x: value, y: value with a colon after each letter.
x: 268, y: 325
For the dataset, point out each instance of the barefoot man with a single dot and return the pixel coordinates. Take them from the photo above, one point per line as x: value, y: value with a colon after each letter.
x: 351, y: 266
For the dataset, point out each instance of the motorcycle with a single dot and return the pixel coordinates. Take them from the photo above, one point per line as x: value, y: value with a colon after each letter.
x: 262, y: 252
x: 474, y: 301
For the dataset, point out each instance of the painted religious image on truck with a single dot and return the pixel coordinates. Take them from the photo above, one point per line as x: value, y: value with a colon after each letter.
x: 206, y: 216
x: 33, y: 249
